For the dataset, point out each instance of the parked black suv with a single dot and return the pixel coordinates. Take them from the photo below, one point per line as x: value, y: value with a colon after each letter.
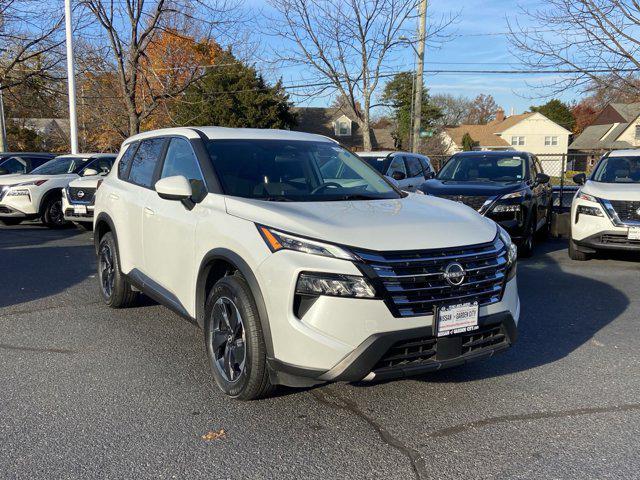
x: 22, y: 162
x: 506, y: 186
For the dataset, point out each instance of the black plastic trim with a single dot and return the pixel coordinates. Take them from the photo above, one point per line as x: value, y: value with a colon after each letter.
x: 243, y: 267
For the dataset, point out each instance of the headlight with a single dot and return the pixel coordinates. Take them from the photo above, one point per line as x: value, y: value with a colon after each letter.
x: 37, y: 183
x: 277, y: 240
x: 587, y: 210
x: 518, y: 194
x: 512, y: 252
x: 334, y: 285
x: 500, y: 208
x: 585, y: 196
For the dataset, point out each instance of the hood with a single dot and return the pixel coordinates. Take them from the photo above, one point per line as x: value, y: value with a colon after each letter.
x: 611, y: 191
x: 87, y: 182
x: 485, y: 189
x: 22, y: 178
x: 411, y: 223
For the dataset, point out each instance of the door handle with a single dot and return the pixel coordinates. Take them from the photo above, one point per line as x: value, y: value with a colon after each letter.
x: 148, y: 211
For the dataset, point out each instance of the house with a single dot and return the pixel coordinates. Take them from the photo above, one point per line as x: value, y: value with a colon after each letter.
x: 531, y: 132
x: 616, y: 127
x: 334, y: 123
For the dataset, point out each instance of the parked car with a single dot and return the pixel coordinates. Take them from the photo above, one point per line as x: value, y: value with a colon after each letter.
x: 78, y: 197
x: 12, y: 163
x: 605, y: 213
x: 38, y: 194
x: 505, y: 186
x: 297, y: 271
x: 408, y: 170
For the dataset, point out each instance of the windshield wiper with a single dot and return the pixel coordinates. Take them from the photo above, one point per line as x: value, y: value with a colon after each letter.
x: 358, y: 196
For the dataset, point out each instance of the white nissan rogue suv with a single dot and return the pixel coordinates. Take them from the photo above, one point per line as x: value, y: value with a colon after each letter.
x: 300, y: 262
x: 605, y: 212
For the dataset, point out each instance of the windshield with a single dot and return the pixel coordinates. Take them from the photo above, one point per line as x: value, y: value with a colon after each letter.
x: 381, y: 164
x: 61, y: 165
x: 484, y: 168
x: 299, y: 171
x: 618, y: 170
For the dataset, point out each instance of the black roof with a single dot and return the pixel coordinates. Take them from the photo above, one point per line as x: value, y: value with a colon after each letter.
x: 491, y: 153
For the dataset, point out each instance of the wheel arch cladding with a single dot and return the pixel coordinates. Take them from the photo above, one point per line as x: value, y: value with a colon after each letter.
x: 54, y: 193
x: 220, y: 262
x: 104, y: 224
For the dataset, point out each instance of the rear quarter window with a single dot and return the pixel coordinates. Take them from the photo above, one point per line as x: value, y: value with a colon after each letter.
x: 125, y: 161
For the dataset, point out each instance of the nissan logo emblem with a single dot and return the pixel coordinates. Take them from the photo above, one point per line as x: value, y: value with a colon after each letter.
x: 454, y: 274
x: 80, y: 193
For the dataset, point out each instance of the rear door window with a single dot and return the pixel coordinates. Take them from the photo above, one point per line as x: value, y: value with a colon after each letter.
x: 414, y: 168
x: 145, y: 161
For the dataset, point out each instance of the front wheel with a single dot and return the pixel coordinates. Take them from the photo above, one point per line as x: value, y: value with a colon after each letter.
x: 114, y: 286
x: 234, y: 340
x: 575, y: 254
x: 52, y: 214
x: 525, y: 250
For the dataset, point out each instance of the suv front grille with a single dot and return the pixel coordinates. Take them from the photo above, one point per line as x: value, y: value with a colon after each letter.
x: 474, y: 201
x: 81, y: 194
x: 422, y: 351
x: 413, y: 282
x: 626, y: 210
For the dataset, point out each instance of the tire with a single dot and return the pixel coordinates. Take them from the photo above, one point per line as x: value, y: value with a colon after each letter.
x: 52, y: 214
x: 114, y: 286
x: 525, y: 250
x: 234, y: 340
x: 9, y: 222
x: 575, y: 254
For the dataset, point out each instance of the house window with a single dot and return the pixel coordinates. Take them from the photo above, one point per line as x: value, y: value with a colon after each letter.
x: 343, y: 128
x: 550, y: 141
x: 517, y: 141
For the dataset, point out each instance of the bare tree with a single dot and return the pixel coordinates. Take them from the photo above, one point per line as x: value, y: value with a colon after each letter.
x: 30, y: 37
x: 593, y: 43
x: 454, y: 109
x: 482, y: 110
x: 346, y: 45
x: 131, y: 27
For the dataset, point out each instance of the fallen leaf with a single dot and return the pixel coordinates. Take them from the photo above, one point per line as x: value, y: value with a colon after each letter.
x: 211, y: 435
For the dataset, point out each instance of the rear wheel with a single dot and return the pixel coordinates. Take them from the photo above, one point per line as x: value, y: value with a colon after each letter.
x: 234, y: 340
x: 11, y: 221
x: 575, y: 254
x: 115, y: 288
x: 52, y: 214
x: 525, y: 250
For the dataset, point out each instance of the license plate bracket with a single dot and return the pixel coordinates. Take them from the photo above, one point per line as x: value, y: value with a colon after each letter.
x: 633, y: 233
x: 454, y: 319
x: 80, y: 209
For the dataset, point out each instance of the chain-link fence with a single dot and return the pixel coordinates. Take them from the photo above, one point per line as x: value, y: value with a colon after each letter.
x: 561, y: 168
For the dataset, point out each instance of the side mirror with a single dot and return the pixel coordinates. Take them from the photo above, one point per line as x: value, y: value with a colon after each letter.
x: 398, y: 175
x: 580, y: 178
x: 89, y: 172
x: 429, y: 175
x: 542, y: 178
x: 174, y: 188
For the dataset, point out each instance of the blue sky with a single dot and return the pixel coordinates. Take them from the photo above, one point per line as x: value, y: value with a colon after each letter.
x: 479, y: 44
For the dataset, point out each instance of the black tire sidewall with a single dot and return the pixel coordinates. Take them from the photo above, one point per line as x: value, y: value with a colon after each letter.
x: 46, y: 216
x: 236, y: 289
x: 120, y: 293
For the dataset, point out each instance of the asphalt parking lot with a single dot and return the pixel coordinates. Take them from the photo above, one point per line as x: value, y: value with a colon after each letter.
x: 89, y: 392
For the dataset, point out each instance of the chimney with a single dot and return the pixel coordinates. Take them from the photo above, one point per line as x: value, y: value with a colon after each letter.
x: 500, y: 115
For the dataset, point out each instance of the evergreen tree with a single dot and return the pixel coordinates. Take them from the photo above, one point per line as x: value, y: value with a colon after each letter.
x: 558, y: 112
x: 233, y: 94
x: 468, y: 142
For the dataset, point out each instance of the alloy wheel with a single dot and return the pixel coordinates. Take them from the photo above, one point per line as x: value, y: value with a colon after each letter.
x: 55, y: 213
x: 107, y: 270
x: 226, y: 341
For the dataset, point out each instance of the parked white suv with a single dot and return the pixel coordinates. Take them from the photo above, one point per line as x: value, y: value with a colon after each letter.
x: 408, y: 170
x: 78, y: 197
x: 300, y: 271
x: 38, y: 194
x: 605, y: 212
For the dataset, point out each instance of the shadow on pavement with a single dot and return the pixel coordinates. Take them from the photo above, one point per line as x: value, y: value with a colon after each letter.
x: 31, y: 270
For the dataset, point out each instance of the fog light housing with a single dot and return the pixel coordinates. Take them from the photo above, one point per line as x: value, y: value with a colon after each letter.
x: 334, y: 285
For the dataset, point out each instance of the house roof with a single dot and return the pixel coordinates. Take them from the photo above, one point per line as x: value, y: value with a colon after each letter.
x: 629, y: 111
x: 484, y: 135
x: 604, y: 136
x: 501, y: 126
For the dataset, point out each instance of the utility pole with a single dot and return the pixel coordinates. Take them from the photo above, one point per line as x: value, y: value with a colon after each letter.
x: 3, y: 127
x: 417, y: 99
x: 71, y: 80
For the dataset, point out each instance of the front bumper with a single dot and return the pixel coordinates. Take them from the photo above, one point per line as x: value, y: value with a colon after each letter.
x: 344, y: 338
x: 70, y: 213
x: 591, y: 233
x: 608, y: 240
